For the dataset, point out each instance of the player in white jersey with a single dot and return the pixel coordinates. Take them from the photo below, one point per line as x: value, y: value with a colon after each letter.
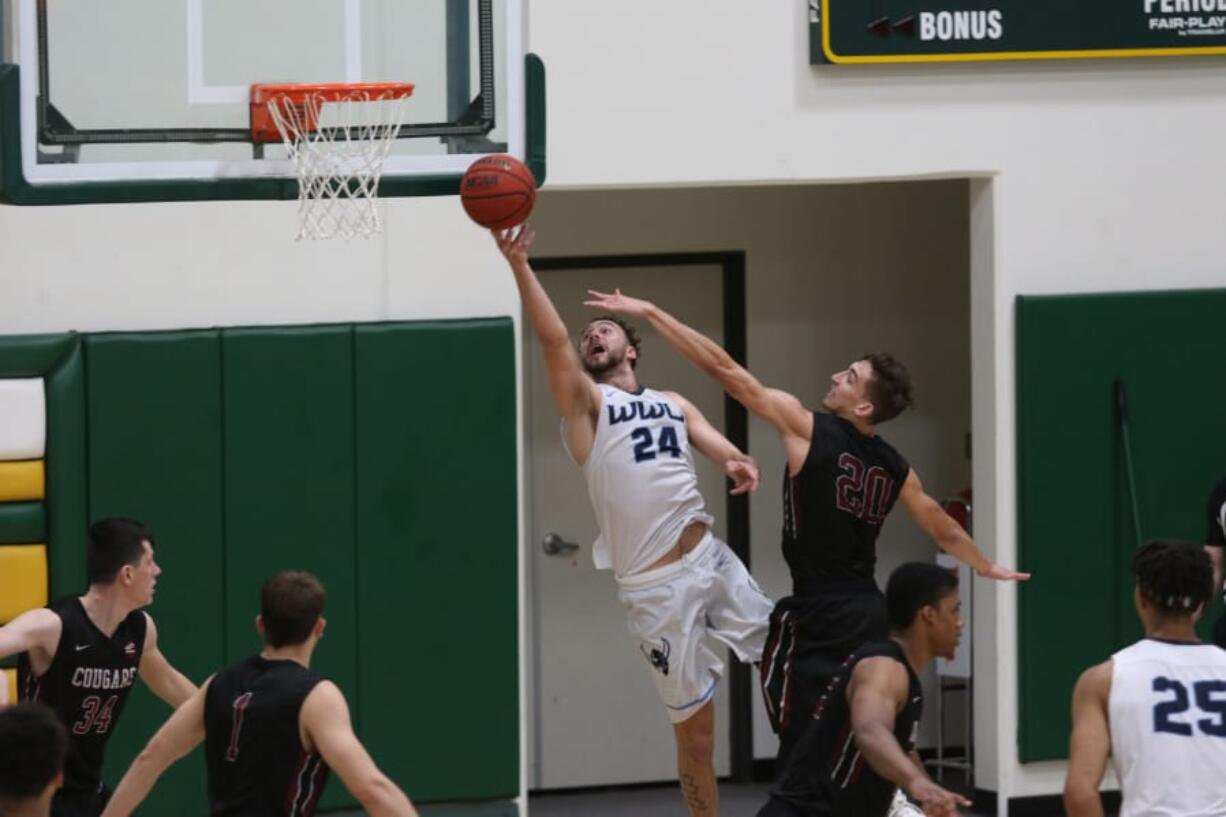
x: 682, y: 588
x: 1158, y: 707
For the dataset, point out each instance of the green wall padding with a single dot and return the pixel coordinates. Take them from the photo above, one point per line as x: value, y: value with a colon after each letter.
x: 1074, y: 515
x: 22, y: 523
x: 155, y: 455
x: 290, y: 485
x: 382, y: 457
x: 437, y: 480
x: 34, y: 355
x: 67, y: 488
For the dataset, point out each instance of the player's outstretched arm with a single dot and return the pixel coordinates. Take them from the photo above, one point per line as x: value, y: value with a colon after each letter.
x: 178, y: 736
x: 948, y: 534
x: 35, y: 630
x: 739, y: 466
x: 1089, y: 744
x: 163, y: 680
x: 4, y: 689
x: 574, y: 392
x: 782, y: 410
x: 325, y: 719
x: 877, y: 689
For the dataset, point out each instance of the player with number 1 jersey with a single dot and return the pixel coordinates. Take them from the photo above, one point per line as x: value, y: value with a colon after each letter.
x: 272, y: 728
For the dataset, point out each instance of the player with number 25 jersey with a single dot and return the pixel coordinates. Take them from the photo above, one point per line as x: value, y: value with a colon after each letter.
x: 1158, y: 707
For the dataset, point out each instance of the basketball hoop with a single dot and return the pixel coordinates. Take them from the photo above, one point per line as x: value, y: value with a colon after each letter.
x: 338, y: 135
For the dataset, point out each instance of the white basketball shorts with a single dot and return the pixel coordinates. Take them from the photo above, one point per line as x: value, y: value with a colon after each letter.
x: 679, y: 610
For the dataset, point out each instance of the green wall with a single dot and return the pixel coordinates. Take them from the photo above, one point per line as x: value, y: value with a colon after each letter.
x: 1075, y: 524
x: 381, y: 457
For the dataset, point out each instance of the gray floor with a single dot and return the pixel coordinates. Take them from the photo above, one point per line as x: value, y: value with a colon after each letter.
x: 654, y: 801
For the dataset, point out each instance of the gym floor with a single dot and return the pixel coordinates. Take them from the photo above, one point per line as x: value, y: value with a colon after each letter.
x: 736, y: 800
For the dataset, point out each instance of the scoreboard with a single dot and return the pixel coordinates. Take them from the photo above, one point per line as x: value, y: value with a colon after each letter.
x: 899, y: 31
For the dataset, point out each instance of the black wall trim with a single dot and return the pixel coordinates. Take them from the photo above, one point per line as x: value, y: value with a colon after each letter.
x: 736, y: 428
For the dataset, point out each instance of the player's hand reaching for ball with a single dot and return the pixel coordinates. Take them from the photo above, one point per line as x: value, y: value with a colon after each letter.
x: 515, y: 243
x: 618, y: 304
x: 744, y: 475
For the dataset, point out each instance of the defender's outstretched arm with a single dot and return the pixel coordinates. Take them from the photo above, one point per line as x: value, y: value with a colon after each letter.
x: 782, y: 410
x: 948, y: 534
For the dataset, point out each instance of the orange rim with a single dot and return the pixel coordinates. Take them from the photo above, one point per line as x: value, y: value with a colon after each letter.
x: 328, y: 91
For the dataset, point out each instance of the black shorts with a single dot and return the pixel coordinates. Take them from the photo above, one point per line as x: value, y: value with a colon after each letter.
x: 810, y: 637
x: 78, y: 803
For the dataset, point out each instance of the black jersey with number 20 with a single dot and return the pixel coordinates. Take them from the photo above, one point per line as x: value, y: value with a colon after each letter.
x: 257, y: 766
x: 87, y: 685
x: 834, y: 507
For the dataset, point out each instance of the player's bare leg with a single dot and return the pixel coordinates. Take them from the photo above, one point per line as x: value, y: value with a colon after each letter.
x: 696, y: 761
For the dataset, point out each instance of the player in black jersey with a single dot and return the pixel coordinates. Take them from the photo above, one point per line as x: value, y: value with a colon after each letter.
x: 858, y: 746
x: 81, y: 655
x: 1215, y: 546
x: 32, y: 750
x: 841, y: 482
x: 272, y: 729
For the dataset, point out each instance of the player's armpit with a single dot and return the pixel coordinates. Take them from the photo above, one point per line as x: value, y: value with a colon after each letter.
x: 326, y: 726
x: 1089, y: 744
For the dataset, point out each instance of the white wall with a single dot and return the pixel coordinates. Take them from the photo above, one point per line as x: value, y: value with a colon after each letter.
x: 1105, y: 176
x: 823, y: 288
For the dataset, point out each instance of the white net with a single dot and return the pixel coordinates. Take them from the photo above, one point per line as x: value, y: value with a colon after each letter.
x: 338, y: 142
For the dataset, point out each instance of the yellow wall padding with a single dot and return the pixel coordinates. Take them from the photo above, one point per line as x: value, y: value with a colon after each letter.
x: 12, y: 676
x: 22, y: 481
x: 23, y: 579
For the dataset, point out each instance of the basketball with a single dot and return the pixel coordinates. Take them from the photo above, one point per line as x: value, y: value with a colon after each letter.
x: 498, y: 191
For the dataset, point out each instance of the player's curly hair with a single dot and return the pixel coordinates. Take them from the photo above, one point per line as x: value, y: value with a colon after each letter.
x: 1174, y: 576
x: 890, y: 389
x: 632, y: 337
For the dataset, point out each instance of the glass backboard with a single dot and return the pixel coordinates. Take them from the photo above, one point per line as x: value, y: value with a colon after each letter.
x: 148, y: 91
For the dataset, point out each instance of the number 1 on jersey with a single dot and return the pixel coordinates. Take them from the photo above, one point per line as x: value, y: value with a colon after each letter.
x: 240, y: 704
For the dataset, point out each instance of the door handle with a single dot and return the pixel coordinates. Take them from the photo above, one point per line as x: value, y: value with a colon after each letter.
x: 555, y: 545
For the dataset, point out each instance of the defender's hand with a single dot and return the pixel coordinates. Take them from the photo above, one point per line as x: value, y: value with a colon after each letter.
x: 618, y: 304
x: 1003, y: 574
